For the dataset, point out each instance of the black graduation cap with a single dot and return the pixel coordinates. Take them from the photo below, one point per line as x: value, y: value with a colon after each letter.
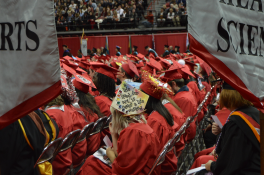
x: 135, y: 47
x: 94, y: 50
x: 227, y: 86
x: 146, y: 47
x: 167, y: 46
x: 64, y: 45
x: 177, y: 47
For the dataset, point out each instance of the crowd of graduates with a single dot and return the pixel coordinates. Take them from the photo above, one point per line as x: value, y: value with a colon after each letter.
x: 176, y: 84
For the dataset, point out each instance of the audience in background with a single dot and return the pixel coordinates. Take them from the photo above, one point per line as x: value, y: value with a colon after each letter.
x: 78, y: 14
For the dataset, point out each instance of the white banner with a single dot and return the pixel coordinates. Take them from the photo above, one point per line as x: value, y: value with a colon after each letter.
x: 29, y: 57
x: 84, y: 47
x: 233, y: 32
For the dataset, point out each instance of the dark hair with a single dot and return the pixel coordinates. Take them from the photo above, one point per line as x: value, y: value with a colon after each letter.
x: 106, y: 85
x: 126, y: 74
x: 137, y: 79
x: 88, y: 103
x: 179, y: 82
x: 155, y: 104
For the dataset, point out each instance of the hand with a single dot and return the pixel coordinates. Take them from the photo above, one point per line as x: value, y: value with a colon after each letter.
x: 110, y: 154
x: 208, y: 127
x: 208, y: 165
x: 216, y: 129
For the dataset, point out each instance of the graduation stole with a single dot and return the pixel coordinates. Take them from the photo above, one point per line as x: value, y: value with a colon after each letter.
x: 44, y: 168
x: 253, y: 125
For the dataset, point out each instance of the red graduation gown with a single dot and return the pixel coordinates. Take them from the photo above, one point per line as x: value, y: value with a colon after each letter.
x: 188, y: 105
x: 178, y: 118
x: 222, y: 115
x: 104, y: 104
x: 137, y: 148
x: 65, y: 123
x: 79, y: 150
x: 164, y: 132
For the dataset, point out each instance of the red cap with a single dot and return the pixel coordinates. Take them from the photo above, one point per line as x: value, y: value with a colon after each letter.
x: 172, y: 74
x: 185, y: 69
x: 140, y: 56
x: 153, y: 63
x: 84, y: 64
x: 68, y: 58
x: 95, y: 65
x: 190, y: 65
x: 204, y: 66
x: 154, y: 87
x: 148, y: 68
x: 80, y: 71
x: 140, y: 64
x: 83, y: 82
x: 133, y: 58
x: 130, y: 69
x: 164, y: 63
x: 108, y: 71
x: 175, y: 65
x: 69, y: 70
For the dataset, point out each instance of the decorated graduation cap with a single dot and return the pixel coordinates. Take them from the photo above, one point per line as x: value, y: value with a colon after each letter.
x: 154, y: 87
x: 108, y: 71
x: 130, y: 101
x: 130, y: 69
x: 83, y: 82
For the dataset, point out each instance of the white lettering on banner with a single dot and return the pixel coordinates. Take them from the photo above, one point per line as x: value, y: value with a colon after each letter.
x: 29, y: 61
x: 233, y: 32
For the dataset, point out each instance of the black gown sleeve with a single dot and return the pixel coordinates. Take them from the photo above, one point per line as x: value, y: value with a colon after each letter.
x: 235, y: 151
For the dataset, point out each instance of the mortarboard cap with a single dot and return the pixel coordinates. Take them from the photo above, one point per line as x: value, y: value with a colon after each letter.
x: 166, y: 46
x: 108, y: 71
x: 135, y: 47
x: 146, y: 47
x: 130, y: 69
x: 83, y: 82
x: 227, y: 86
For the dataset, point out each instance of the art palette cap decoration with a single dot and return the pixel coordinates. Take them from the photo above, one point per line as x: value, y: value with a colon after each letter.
x: 154, y: 87
x: 130, y: 101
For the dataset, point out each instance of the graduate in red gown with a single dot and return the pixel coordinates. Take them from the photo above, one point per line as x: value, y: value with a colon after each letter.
x: 160, y: 119
x: 88, y: 112
x: 104, y: 80
x: 135, y: 146
x: 63, y: 116
x: 184, y: 99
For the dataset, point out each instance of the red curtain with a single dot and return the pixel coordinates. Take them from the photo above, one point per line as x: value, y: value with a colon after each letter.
x: 160, y: 41
x: 141, y: 41
x: 95, y: 42
x: 73, y: 44
x: 178, y: 40
x: 121, y: 41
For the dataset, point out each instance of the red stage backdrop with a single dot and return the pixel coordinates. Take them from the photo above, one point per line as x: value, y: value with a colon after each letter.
x: 141, y: 41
